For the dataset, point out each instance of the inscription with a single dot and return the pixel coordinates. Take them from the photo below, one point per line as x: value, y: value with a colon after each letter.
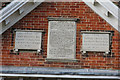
x: 62, y: 40
x: 28, y: 40
x: 95, y: 42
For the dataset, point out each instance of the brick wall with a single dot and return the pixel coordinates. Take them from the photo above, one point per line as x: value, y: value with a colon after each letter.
x: 37, y: 20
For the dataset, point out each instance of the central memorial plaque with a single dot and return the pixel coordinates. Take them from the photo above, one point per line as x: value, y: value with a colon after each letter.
x: 28, y: 40
x: 61, y: 40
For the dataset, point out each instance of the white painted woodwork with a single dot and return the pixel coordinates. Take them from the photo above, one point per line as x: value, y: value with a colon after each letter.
x: 21, y: 10
x: 107, y: 10
x: 93, y: 2
x: 110, y: 6
x: 61, y: 76
x: 7, y: 21
x: 15, y: 11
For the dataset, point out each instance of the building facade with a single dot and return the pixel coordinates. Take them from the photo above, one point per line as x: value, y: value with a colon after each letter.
x: 61, y: 38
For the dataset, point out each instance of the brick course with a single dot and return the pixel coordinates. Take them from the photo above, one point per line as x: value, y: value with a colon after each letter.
x: 37, y: 20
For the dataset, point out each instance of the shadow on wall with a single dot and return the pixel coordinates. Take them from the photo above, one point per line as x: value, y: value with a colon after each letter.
x: 16, y: 78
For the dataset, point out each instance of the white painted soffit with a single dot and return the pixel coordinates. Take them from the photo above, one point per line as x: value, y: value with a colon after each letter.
x: 15, y: 11
x: 107, y: 10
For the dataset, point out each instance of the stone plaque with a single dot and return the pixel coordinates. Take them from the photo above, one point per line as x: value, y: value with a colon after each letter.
x: 28, y: 40
x: 95, y: 42
x: 62, y: 40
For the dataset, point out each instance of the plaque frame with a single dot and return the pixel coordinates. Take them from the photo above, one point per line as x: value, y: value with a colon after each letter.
x: 50, y: 19
x: 98, y: 32
x: 30, y: 50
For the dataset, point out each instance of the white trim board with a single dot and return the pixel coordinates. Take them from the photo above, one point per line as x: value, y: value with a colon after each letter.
x: 106, y: 6
x: 15, y: 11
x: 60, y: 76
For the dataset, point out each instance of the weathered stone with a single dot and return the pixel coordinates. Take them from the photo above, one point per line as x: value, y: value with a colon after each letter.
x: 28, y: 40
x: 62, y: 40
x: 95, y: 42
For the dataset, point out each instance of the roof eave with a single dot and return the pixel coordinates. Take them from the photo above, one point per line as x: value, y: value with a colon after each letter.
x: 107, y: 10
x: 15, y: 11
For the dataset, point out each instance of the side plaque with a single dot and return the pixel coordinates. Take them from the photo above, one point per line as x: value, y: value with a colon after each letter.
x: 62, y: 40
x: 95, y: 42
x: 28, y: 40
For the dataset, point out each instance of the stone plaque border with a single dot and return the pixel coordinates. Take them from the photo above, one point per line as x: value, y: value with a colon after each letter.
x: 99, y: 32
x: 61, y: 60
x: 62, y: 19
x: 28, y: 50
